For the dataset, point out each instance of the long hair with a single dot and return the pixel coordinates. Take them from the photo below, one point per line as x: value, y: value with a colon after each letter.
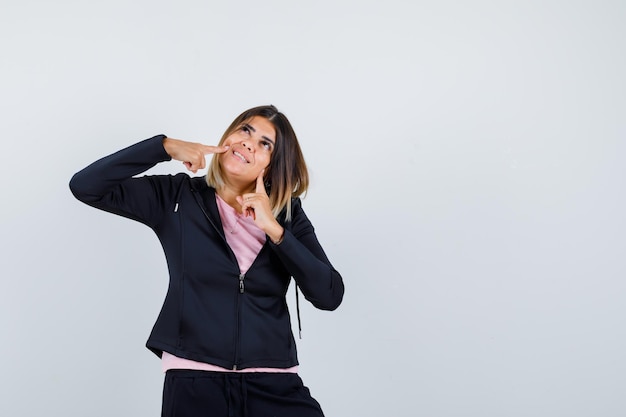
x: 287, y: 176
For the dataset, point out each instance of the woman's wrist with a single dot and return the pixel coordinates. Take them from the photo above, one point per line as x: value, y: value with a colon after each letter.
x: 276, y: 235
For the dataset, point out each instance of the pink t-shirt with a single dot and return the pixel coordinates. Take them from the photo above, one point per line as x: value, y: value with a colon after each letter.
x: 246, y: 240
x: 243, y: 236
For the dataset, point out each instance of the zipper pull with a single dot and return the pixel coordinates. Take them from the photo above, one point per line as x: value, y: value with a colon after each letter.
x: 241, y: 277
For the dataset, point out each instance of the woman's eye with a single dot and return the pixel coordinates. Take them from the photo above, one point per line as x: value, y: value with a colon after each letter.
x: 246, y: 129
x: 266, y: 145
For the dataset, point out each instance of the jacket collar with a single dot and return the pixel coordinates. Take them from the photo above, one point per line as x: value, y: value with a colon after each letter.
x: 209, y: 205
x: 207, y: 194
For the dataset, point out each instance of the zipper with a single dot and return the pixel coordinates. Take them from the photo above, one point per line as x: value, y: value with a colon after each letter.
x: 241, y: 276
x: 238, y: 320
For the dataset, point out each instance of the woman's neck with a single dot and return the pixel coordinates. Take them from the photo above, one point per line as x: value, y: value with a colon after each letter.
x: 229, y: 194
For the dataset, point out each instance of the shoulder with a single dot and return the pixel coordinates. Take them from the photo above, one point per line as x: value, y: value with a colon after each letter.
x: 178, y: 183
x: 300, y: 222
x: 296, y: 209
x: 198, y: 183
x: 199, y: 186
x: 296, y: 205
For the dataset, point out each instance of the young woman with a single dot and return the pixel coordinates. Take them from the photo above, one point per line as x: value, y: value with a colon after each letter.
x: 233, y: 240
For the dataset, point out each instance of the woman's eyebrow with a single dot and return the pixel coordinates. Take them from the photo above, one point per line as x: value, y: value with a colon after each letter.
x: 254, y: 130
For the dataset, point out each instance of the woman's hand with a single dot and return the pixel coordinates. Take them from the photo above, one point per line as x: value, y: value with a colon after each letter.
x: 193, y: 155
x: 257, y: 205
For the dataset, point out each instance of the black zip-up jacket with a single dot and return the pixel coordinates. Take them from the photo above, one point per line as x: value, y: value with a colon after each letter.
x: 211, y: 313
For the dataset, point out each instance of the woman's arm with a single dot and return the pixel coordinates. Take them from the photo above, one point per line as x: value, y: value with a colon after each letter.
x: 307, y: 263
x: 109, y: 183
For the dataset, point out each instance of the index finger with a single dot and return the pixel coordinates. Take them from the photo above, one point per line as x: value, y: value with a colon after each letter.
x: 208, y: 149
x: 260, y: 186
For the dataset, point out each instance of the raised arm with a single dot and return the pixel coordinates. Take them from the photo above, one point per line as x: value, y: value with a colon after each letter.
x: 110, y: 184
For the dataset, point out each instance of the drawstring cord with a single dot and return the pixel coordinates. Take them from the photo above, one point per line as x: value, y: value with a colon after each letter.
x: 298, y: 312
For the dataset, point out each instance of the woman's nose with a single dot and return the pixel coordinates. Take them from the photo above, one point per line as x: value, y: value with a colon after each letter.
x: 247, y: 145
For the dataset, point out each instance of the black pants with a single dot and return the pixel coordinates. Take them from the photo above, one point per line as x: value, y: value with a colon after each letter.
x: 189, y: 393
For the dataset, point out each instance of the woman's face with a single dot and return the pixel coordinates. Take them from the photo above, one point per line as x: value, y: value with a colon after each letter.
x: 251, y: 147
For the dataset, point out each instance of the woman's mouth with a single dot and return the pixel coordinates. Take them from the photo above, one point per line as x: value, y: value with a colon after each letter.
x: 240, y: 156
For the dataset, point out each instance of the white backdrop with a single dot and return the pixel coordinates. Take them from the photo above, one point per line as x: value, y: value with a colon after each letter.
x: 468, y: 182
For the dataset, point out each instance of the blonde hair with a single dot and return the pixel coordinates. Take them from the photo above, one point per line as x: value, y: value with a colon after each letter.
x: 287, y: 176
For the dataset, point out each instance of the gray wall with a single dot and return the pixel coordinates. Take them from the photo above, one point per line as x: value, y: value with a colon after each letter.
x: 468, y: 181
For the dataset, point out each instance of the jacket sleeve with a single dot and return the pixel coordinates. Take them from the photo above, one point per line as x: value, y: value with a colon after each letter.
x: 109, y: 184
x: 304, y: 258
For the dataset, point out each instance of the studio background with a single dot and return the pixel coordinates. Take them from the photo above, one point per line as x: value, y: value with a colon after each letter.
x: 467, y: 181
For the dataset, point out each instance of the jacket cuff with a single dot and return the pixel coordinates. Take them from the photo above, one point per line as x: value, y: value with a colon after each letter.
x: 160, y: 149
